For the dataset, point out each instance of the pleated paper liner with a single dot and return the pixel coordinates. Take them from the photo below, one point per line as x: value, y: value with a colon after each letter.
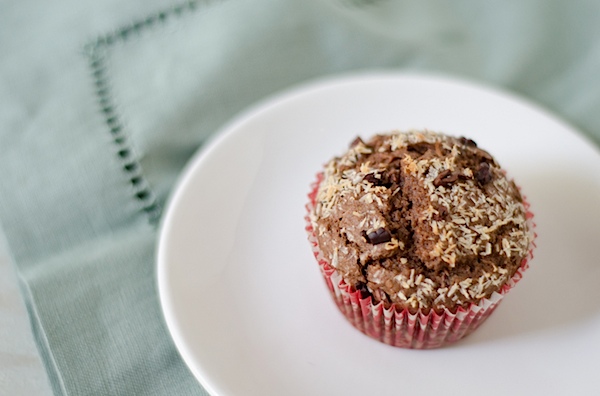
x: 398, y: 327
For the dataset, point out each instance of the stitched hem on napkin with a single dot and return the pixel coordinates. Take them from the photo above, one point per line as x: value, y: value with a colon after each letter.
x: 96, y: 52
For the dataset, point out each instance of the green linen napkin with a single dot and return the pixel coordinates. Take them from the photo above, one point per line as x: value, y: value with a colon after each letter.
x: 93, y: 134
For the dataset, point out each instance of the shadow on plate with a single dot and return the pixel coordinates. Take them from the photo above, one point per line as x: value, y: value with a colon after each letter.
x: 560, y: 288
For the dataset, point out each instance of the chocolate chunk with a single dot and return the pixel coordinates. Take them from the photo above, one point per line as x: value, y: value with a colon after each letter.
x: 378, y: 236
x: 438, y: 180
x: 420, y: 148
x: 356, y: 141
x: 483, y: 174
x: 485, y: 155
x: 362, y: 288
x: 467, y: 142
x: 445, y: 178
x: 371, y: 178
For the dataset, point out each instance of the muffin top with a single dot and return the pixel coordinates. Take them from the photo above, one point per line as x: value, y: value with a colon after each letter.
x: 420, y: 220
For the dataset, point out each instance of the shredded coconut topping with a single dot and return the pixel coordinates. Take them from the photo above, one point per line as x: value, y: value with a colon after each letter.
x: 465, y: 228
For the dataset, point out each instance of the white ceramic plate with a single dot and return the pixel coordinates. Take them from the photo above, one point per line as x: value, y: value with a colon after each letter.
x: 245, y: 302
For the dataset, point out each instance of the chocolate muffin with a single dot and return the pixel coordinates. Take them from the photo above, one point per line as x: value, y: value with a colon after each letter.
x: 420, y: 221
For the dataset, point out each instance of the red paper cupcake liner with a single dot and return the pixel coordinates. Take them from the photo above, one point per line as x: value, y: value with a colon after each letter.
x: 399, y: 327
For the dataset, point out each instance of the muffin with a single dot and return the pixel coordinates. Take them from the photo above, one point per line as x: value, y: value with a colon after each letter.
x: 418, y: 235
